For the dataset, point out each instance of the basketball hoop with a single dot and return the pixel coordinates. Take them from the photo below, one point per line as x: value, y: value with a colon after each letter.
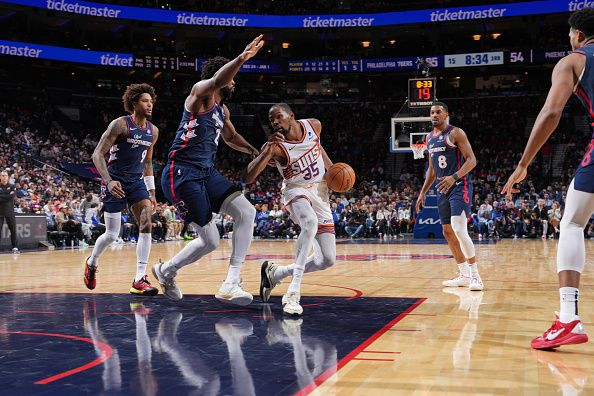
x: 418, y: 150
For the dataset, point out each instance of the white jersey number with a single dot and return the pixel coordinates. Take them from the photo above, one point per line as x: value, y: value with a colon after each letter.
x: 441, y: 162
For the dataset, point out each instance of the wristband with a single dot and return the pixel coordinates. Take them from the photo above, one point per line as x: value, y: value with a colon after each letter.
x: 149, y: 182
x: 107, y: 182
x: 456, y: 177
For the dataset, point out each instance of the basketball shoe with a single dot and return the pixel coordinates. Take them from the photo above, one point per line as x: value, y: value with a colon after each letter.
x: 292, y: 306
x: 232, y: 293
x: 267, y: 282
x: 561, y: 334
x: 167, y: 283
x: 89, y: 277
x: 142, y: 287
x: 476, y: 283
x: 459, y: 281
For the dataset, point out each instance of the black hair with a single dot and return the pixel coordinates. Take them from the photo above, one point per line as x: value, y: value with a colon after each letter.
x: 283, y: 106
x: 583, y: 20
x: 211, y: 66
x: 445, y: 106
x: 132, y: 95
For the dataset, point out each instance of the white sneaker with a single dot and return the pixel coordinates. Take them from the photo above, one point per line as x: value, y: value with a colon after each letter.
x: 292, y: 307
x: 232, y: 293
x: 167, y: 283
x: 15, y: 251
x: 267, y: 282
x: 476, y: 283
x: 459, y: 281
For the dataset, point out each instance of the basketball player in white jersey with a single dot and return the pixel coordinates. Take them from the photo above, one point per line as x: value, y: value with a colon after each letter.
x: 296, y: 152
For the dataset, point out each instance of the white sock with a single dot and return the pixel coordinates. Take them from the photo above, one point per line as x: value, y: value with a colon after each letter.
x: 282, y: 271
x: 234, y: 272
x: 568, y: 301
x: 464, y: 269
x: 143, y: 251
x: 473, y: 269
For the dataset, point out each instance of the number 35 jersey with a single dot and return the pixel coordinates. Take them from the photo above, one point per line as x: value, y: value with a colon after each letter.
x: 445, y: 156
x: 305, y: 164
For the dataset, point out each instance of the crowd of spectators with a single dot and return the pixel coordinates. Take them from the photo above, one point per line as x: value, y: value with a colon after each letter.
x: 33, y: 146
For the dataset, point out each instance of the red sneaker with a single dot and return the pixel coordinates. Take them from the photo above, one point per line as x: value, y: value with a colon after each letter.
x: 143, y: 287
x: 89, y: 277
x: 561, y: 334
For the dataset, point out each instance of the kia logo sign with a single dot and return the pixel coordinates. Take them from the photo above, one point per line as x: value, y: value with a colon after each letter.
x: 429, y: 221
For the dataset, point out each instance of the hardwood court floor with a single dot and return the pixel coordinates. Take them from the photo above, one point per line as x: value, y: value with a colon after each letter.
x: 454, y: 342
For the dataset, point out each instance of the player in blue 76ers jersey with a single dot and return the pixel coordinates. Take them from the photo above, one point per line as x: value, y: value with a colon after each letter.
x: 298, y: 155
x: 130, y: 141
x: 191, y: 182
x: 572, y: 74
x: 450, y: 160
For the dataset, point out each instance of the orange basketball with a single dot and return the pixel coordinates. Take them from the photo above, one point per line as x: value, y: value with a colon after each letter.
x: 340, y: 177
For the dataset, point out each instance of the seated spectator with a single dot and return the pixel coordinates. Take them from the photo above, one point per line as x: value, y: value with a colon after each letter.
x: 555, y: 218
x: 159, y: 225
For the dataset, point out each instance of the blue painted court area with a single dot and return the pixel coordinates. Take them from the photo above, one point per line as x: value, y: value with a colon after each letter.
x: 62, y: 344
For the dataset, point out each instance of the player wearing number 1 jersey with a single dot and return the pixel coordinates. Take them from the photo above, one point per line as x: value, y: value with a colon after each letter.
x: 130, y: 141
x: 298, y: 155
x: 450, y: 160
x: 191, y: 182
x: 573, y: 74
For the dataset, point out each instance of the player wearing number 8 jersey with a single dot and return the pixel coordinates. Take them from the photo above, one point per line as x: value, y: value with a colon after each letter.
x: 572, y: 74
x: 297, y: 154
x: 130, y: 141
x: 450, y: 160
x: 191, y: 182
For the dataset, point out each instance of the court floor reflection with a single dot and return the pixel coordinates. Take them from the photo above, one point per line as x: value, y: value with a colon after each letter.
x: 117, y: 344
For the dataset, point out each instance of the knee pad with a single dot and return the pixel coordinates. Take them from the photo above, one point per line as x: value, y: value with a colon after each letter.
x: 571, y: 251
x: 210, y: 234
x: 241, y: 209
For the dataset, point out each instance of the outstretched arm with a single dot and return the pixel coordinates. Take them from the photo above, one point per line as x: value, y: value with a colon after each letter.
x: 234, y: 139
x: 254, y: 168
x: 115, y: 129
x: 223, y: 77
x: 563, y: 80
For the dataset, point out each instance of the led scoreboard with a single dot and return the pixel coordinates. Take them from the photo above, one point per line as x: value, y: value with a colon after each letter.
x: 421, y: 92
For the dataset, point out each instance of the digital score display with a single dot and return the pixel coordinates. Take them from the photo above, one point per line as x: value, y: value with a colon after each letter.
x: 421, y: 92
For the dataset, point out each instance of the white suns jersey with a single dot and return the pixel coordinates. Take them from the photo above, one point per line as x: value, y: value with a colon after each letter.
x: 305, y: 165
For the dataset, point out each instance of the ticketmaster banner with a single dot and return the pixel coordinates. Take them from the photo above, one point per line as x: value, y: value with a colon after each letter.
x: 29, y: 50
x: 308, y: 21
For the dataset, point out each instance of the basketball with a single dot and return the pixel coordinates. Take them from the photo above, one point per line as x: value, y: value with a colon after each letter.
x: 340, y: 177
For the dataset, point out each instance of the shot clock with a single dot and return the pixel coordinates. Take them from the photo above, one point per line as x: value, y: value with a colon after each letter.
x: 421, y: 92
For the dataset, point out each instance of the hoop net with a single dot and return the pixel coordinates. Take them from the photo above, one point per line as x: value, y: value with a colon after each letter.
x: 418, y: 150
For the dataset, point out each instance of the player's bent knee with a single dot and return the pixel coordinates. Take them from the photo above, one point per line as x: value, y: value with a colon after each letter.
x: 327, y: 261
x: 111, y: 236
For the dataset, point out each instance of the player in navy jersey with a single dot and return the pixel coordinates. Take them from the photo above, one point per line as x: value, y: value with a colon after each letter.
x: 127, y: 181
x: 450, y: 160
x: 191, y: 182
x: 572, y: 74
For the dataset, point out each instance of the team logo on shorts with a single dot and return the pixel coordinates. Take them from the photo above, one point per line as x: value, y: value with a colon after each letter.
x: 181, y: 208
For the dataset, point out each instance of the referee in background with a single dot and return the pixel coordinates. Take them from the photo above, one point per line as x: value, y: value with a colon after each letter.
x: 7, y: 193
